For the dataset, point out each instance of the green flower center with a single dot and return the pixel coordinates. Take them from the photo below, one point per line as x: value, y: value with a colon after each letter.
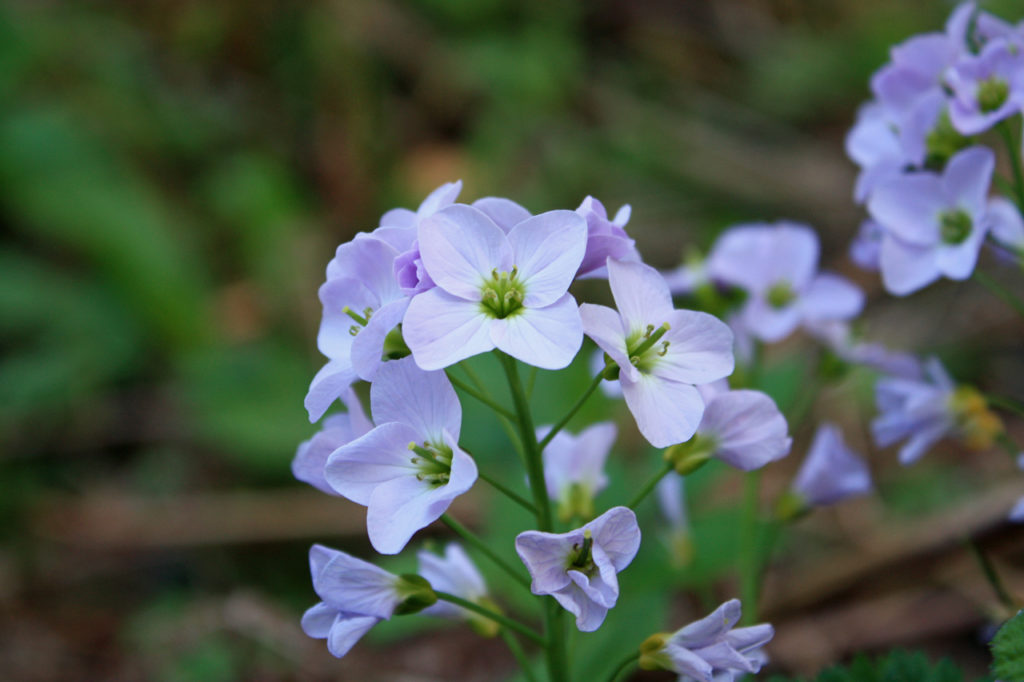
x: 992, y: 93
x: 646, y: 348
x: 360, y: 320
x: 434, y: 462
x: 581, y: 558
x: 780, y: 294
x: 955, y: 226
x: 943, y: 142
x: 502, y: 295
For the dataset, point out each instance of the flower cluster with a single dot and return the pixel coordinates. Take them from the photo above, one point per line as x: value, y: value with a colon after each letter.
x: 926, y: 171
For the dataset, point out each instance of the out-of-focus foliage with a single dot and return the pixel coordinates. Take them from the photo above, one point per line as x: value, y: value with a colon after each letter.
x: 1008, y: 650
x: 897, y: 666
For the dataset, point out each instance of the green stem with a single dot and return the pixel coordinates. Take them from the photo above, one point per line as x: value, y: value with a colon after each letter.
x: 558, y: 664
x: 479, y: 395
x: 493, y: 615
x: 513, y: 645
x: 528, y: 437
x: 508, y: 492
x: 531, y: 379
x: 506, y: 422
x: 1013, y: 151
x: 650, y: 485
x: 1008, y: 404
x: 623, y: 665
x: 997, y: 289
x: 748, y: 555
x: 989, y: 570
x: 471, y: 539
x: 572, y: 412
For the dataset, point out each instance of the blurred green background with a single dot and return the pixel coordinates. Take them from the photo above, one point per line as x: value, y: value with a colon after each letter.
x: 174, y: 177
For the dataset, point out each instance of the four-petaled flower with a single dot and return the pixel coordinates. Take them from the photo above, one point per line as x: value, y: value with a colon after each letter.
x: 579, y: 568
x: 711, y: 649
x: 574, y: 467
x: 661, y: 352
x: 409, y: 468
x: 497, y: 290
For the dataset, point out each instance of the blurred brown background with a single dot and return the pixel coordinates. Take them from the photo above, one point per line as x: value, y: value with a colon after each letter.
x: 174, y: 176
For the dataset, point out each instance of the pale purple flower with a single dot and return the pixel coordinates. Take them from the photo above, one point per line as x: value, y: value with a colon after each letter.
x: 605, y: 238
x: 1007, y: 227
x: 454, y: 573
x: 917, y: 70
x: 915, y: 410
x: 398, y: 226
x: 338, y: 429
x: 934, y: 224
x: 988, y: 27
x: 710, y: 649
x: 831, y: 472
x: 866, y: 247
x: 687, y: 278
x: 777, y: 265
x: 574, y: 467
x: 670, y: 494
x: 409, y: 468
x: 496, y: 290
x: 874, y: 144
x: 987, y: 87
x: 579, y: 568
x: 362, y: 305
x: 355, y: 594
x: 743, y: 428
x: 661, y: 352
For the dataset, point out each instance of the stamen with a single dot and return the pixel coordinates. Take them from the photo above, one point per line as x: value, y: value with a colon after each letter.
x: 353, y: 330
x: 356, y: 316
x: 664, y: 349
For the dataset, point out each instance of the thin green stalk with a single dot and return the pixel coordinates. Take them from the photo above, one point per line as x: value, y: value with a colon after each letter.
x: 513, y: 645
x: 1008, y: 404
x: 572, y: 412
x: 506, y: 422
x: 1013, y: 151
x: 478, y: 544
x: 623, y: 665
x: 493, y: 615
x: 528, y: 436
x: 531, y: 379
x: 479, y: 395
x: 750, y: 569
x: 650, y: 485
x: 989, y: 570
x: 558, y: 664
x: 997, y: 289
x: 508, y: 492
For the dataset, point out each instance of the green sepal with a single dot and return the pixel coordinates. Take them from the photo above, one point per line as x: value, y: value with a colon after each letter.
x: 417, y: 594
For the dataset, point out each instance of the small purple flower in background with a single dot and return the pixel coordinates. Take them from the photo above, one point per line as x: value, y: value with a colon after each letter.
x: 873, y: 143
x: 409, y: 468
x: 711, y: 649
x: 923, y: 411
x: 574, y: 467
x: 935, y: 225
x: 456, y: 574
x: 777, y: 265
x: 831, y: 472
x: 743, y: 428
x: 914, y: 409
x: 988, y: 27
x: 987, y: 87
x: 605, y: 238
x: 338, y: 429
x: 356, y: 595
x: 497, y: 291
x: 661, y: 352
x: 671, y: 495
x: 579, y: 568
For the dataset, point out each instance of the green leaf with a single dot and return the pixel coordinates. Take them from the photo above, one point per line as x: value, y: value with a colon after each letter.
x: 1008, y: 650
